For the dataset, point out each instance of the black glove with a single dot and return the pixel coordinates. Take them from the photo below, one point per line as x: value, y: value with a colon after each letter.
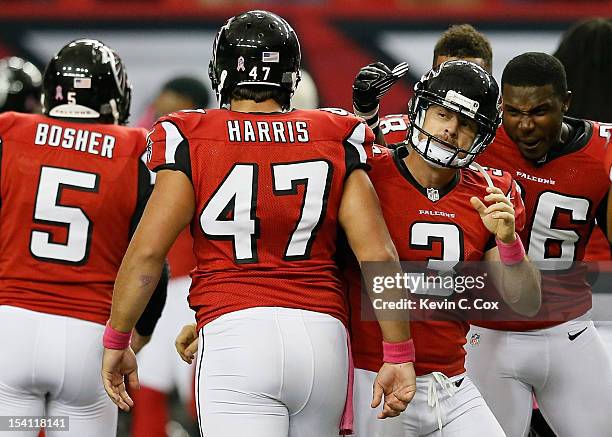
x: 372, y: 82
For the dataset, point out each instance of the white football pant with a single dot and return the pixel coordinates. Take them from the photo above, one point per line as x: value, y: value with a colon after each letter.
x: 566, y: 366
x: 50, y: 366
x: 441, y: 407
x: 272, y: 372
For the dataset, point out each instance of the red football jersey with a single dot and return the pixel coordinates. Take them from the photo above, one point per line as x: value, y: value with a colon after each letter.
x: 69, y: 195
x: 439, y: 224
x: 268, y: 189
x: 180, y: 258
x: 562, y: 195
x: 394, y: 128
x: 598, y: 247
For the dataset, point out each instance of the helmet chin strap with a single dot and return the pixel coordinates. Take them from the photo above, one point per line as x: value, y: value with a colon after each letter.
x: 422, y: 144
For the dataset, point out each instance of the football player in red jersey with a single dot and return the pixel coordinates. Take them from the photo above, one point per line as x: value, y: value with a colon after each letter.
x: 466, y: 43
x: 455, y: 213
x: 264, y: 189
x: 560, y: 164
x: 73, y: 186
x: 458, y: 42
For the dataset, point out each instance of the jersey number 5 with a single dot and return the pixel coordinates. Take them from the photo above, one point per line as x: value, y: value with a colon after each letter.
x: 49, y: 211
x: 230, y: 213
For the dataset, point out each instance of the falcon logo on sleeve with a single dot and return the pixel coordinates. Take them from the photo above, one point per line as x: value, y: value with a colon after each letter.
x: 149, y: 145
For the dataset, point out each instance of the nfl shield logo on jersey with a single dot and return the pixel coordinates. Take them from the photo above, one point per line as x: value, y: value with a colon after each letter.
x: 475, y: 339
x: 433, y: 194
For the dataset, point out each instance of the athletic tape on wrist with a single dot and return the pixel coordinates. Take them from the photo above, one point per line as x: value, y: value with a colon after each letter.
x: 396, y: 353
x: 371, y: 118
x: 114, y: 339
x: 512, y: 253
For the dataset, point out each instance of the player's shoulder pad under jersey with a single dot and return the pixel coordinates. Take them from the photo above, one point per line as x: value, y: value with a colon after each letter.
x: 338, y: 125
x: 167, y: 133
x: 381, y: 161
x: 172, y: 129
x: 601, y: 138
x: 7, y: 120
x: 593, y: 144
x: 341, y: 119
x: 186, y: 120
x: 138, y: 137
x: 604, y: 132
x: 132, y: 140
x: 337, y: 111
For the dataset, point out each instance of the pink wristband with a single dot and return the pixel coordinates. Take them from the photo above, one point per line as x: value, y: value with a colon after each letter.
x: 512, y: 253
x: 114, y: 339
x: 401, y: 352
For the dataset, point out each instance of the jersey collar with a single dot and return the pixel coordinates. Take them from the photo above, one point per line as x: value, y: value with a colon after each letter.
x: 433, y: 194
